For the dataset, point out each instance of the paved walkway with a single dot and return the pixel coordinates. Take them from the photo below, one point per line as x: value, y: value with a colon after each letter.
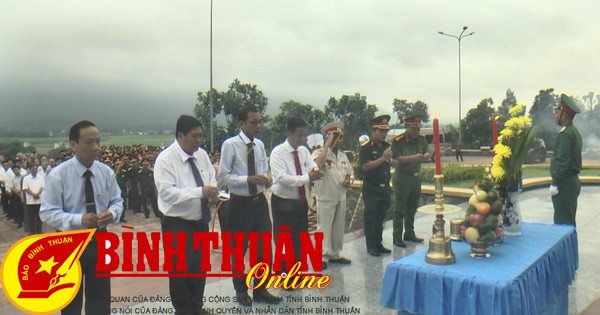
x: 356, y: 286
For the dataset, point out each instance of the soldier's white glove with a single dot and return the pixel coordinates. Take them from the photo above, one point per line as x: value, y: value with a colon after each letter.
x: 553, y: 190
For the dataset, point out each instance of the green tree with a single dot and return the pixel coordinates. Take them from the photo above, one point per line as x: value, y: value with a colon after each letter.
x: 230, y: 103
x: 405, y: 109
x: 238, y: 96
x: 202, y: 112
x: 355, y: 113
x: 542, y: 116
x: 477, y: 125
x: 314, y: 117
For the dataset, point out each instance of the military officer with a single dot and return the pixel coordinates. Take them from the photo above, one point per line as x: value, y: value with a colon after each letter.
x: 375, y: 157
x: 408, y: 149
x: 331, y: 193
x: 122, y: 178
x: 146, y: 190
x: 134, y: 197
x: 566, y: 163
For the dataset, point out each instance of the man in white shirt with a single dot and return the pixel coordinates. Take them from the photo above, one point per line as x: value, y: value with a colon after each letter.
x: 186, y: 183
x: 243, y: 167
x: 331, y: 193
x: 44, y: 168
x: 13, y: 185
x: 293, y: 169
x: 33, y: 185
x: 4, y: 198
x: 73, y: 199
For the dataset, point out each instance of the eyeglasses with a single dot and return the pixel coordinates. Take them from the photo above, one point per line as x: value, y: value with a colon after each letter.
x: 254, y: 122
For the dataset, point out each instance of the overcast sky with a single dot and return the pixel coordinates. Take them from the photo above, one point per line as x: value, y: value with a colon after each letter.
x: 120, y: 60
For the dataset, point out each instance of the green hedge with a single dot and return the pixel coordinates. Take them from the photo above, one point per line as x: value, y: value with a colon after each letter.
x: 455, y: 173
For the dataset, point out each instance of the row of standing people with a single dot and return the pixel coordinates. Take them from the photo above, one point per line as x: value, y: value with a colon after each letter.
x: 187, y: 185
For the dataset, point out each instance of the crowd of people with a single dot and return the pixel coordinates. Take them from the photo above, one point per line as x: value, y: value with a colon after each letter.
x: 181, y: 182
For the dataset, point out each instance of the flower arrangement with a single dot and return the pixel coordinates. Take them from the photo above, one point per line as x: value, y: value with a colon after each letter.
x: 510, y: 152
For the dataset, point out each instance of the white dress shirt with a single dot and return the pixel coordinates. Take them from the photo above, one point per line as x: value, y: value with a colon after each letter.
x: 34, y: 184
x: 283, y: 169
x: 63, y: 197
x: 43, y: 172
x: 233, y: 167
x: 178, y: 194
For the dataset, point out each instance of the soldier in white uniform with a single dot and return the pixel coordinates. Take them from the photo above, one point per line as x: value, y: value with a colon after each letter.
x: 331, y: 193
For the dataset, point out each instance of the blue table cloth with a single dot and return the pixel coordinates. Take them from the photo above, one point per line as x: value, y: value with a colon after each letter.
x: 527, y: 274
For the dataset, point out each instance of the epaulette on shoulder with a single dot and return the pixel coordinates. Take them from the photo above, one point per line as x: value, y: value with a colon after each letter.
x: 422, y: 135
x: 562, y: 129
x: 367, y: 143
x: 398, y: 138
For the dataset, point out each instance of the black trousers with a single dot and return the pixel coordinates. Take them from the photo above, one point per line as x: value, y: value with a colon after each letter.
x: 124, y: 196
x: 149, y: 194
x: 97, y: 289
x: 4, y: 200
x: 16, y: 208
x: 458, y: 153
x: 377, y: 202
x: 134, y: 198
x: 33, y: 224
x: 186, y: 293
x: 293, y: 213
x: 248, y: 214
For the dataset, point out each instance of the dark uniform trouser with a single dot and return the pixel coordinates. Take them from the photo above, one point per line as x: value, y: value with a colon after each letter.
x: 377, y: 202
x: 293, y: 213
x: 97, y: 289
x: 124, y: 196
x: 407, y: 191
x: 16, y: 208
x: 5, y: 207
x: 134, y: 198
x: 186, y: 293
x: 148, y: 192
x: 565, y: 203
x: 33, y: 224
x: 248, y: 214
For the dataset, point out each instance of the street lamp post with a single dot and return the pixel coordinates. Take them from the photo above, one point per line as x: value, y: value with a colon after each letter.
x: 459, y: 37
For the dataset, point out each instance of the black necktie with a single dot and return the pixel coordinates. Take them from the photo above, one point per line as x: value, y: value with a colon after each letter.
x: 251, y: 169
x: 200, y: 183
x: 90, y: 204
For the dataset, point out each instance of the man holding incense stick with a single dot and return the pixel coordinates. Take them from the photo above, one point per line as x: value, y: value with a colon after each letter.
x: 73, y: 199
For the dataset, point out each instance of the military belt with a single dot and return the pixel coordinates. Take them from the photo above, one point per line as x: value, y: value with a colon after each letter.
x: 415, y: 174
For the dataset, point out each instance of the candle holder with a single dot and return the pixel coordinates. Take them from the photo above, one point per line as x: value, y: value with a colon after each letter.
x: 440, y: 245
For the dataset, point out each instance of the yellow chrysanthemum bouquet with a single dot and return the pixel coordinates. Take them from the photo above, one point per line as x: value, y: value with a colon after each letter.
x: 513, y: 143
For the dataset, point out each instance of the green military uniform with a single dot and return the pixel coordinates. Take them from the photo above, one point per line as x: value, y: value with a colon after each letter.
x: 407, y: 184
x: 564, y: 167
x: 122, y: 178
x: 134, y: 197
x: 375, y: 189
x: 148, y: 193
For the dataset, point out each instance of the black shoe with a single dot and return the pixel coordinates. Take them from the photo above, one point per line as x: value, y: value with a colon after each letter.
x: 123, y: 221
x: 19, y: 225
x: 243, y: 298
x: 341, y: 260
x: 266, y: 297
x: 323, y: 265
x: 399, y: 243
x: 384, y: 250
x: 412, y: 238
x: 147, y: 215
x: 373, y: 252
